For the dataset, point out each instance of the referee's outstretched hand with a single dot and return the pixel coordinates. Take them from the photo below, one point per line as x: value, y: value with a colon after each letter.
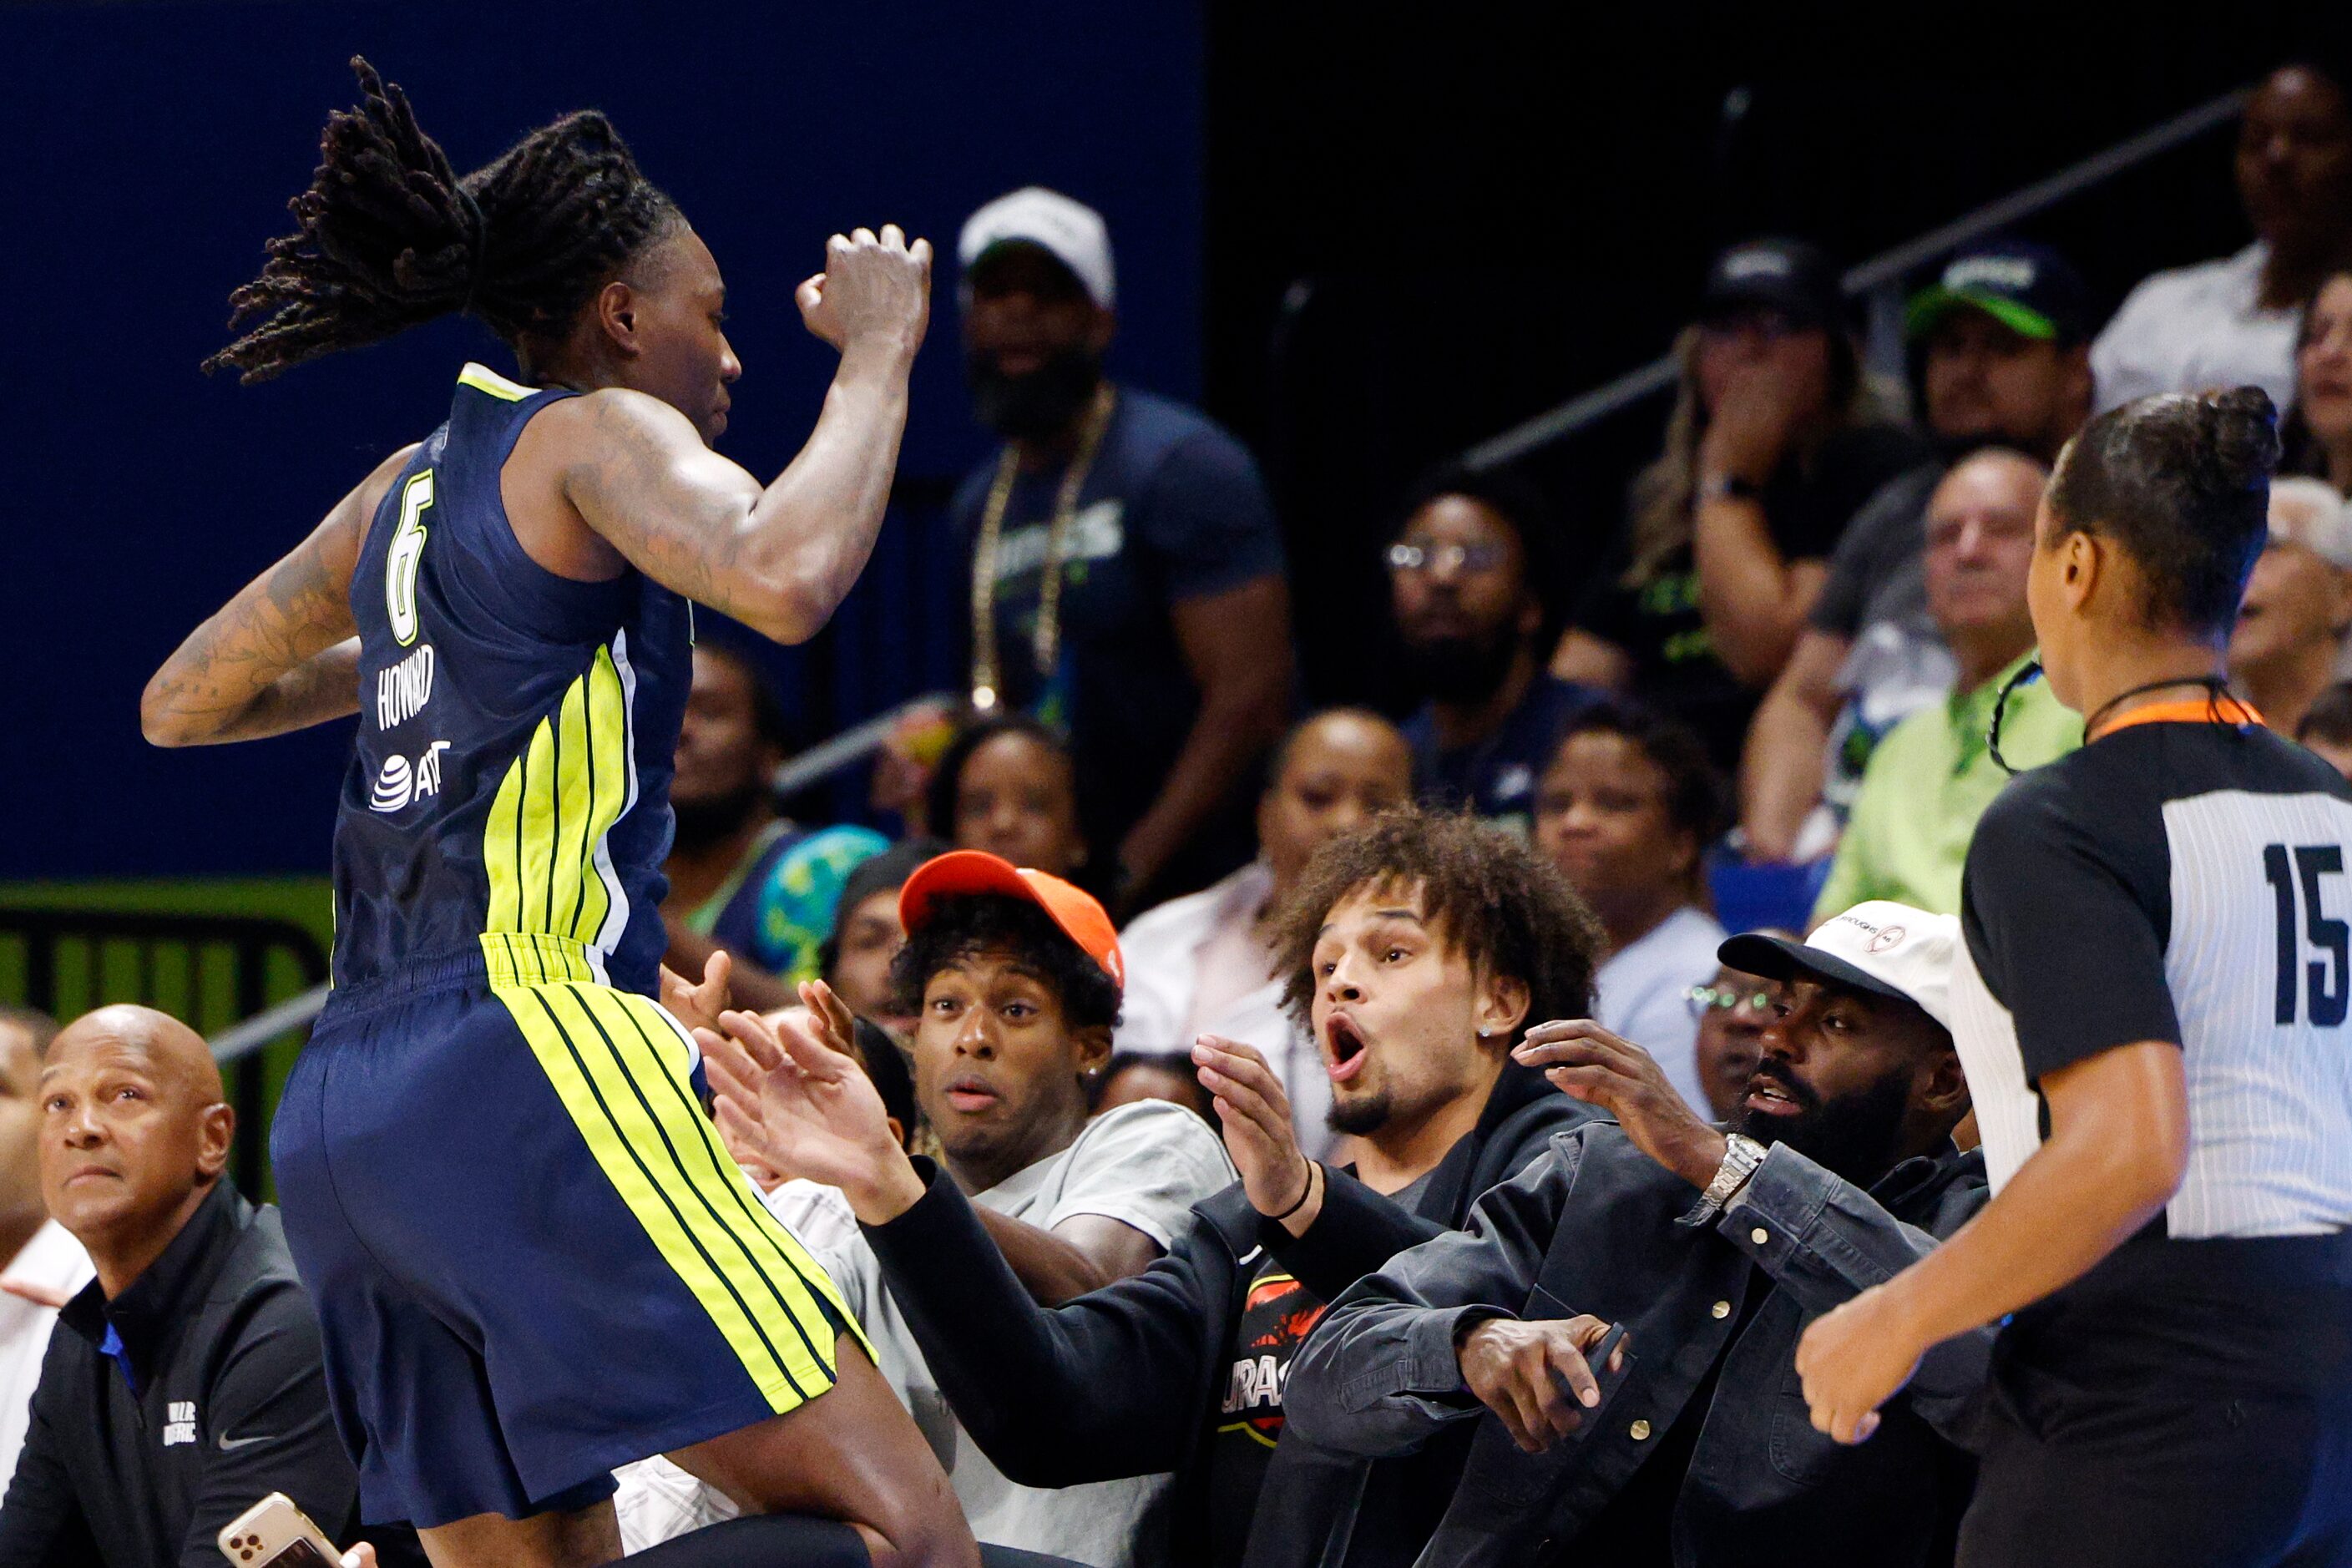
x: 1853, y: 1360
x: 1586, y: 1062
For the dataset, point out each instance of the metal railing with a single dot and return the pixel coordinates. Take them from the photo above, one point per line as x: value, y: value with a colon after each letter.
x: 814, y: 765
x: 1880, y: 279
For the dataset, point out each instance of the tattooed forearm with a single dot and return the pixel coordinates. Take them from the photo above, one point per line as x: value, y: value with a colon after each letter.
x: 325, y: 686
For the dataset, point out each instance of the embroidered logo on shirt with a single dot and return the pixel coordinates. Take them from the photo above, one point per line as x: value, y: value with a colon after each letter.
x: 180, y: 1423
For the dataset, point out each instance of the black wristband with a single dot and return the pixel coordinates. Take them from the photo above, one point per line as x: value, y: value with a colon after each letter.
x: 1305, y: 1192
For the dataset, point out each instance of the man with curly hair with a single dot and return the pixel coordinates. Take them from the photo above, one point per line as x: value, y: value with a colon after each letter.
x: 1414, y: 951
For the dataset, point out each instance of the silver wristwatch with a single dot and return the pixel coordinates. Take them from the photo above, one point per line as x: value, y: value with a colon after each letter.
x: 1740, y: 1158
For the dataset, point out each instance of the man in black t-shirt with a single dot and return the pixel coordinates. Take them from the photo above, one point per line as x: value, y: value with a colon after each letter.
x: 1474, y: 583
x: 2153, y: 1025
x: 1127, y: 573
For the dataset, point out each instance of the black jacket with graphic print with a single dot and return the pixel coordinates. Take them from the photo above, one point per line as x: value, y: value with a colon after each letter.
x: 224, y: 1402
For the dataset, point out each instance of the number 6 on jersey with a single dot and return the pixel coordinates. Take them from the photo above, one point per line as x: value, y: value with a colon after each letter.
x: 407, y: 553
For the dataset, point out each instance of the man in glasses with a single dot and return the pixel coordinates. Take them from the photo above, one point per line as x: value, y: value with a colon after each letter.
x: 1477, y: 595
x: 1732, y: 1010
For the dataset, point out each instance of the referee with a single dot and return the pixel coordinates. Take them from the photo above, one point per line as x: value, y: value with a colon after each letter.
x: 2152, y: 1021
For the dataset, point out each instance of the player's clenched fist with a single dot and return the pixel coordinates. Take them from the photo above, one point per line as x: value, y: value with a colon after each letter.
x: 1534, y: 1375
x: 875, y: 290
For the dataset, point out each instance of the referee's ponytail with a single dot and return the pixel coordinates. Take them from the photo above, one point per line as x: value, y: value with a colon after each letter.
x: 389, y: 236
x: 2181, y: 481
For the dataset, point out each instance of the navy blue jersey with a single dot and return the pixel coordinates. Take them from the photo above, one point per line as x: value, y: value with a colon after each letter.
x: 509, y: 791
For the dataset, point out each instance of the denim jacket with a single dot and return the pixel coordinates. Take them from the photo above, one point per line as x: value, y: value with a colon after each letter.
x: 1597, y: 1226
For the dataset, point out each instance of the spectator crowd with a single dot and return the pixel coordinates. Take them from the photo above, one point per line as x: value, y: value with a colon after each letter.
x: 1253, y: 1134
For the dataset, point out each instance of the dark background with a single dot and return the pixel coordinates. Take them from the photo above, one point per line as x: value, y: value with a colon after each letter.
x: 1364, y: 243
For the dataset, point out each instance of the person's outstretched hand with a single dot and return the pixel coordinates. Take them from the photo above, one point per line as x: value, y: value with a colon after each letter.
x: 1281, y: 1181
x: 875, y: 291
x: 1586, y: 1062
x: 697, y: 1006
x: 790, y: 1093
x: 1854, y: 1359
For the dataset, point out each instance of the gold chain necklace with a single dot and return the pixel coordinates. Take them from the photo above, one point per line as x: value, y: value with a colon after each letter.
x: 1046, y: 642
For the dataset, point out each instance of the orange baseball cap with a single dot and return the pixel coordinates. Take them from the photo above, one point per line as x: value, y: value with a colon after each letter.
x: 958, y: 871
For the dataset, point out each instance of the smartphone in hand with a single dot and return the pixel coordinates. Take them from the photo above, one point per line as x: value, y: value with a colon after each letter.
x: 274, y: 1533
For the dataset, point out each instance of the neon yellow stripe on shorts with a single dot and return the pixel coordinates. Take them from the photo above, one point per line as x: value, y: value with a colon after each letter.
x: 680, y: 1206
x: 658, y: 1056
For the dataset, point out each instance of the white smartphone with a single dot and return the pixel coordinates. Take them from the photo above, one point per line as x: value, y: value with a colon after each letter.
x: 274, y: 1533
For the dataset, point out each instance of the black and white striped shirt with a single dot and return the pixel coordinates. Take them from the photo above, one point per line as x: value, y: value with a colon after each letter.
x: 2178, y: 880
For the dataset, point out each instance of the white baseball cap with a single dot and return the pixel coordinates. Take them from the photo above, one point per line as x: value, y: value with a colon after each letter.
x: 2309, y: 513
x: 1070, y: 231
x: 1883, y: 947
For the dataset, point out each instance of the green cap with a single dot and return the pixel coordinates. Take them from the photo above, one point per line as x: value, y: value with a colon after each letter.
x: 1931, y: 305
x: 2029, y: 288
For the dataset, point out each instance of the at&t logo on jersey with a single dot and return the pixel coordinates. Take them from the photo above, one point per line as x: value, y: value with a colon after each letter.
x: 399, y: 783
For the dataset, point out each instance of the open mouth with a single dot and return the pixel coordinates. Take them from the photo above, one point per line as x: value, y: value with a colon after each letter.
x: 1771, y: 1097
x: 971, y: 1096
x: 1343, y: 1047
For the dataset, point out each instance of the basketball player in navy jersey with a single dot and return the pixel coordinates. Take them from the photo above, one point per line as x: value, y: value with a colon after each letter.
x: 2151, y: 1007
x: 533, y: 1259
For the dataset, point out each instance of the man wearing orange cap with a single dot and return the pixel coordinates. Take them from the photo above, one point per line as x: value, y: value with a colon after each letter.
x: 1014, y: 979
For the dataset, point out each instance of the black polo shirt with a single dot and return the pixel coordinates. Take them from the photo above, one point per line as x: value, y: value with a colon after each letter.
x: 137, y: 1456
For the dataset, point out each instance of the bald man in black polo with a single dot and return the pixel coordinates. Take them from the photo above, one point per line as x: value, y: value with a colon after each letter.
x: 184, y: 1384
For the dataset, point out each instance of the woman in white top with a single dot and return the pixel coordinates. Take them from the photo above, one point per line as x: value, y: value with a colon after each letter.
x: 1626, y: 810
x: 1200, y: 964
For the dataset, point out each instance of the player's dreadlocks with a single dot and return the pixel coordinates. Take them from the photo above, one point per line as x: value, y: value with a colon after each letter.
x: 388, y: 236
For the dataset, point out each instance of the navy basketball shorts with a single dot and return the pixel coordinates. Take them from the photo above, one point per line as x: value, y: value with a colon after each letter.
x: 533, y: 1259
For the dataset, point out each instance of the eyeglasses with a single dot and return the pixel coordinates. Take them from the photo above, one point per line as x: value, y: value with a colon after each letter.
x: 1705, y: 999
x: 1403, y: 557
